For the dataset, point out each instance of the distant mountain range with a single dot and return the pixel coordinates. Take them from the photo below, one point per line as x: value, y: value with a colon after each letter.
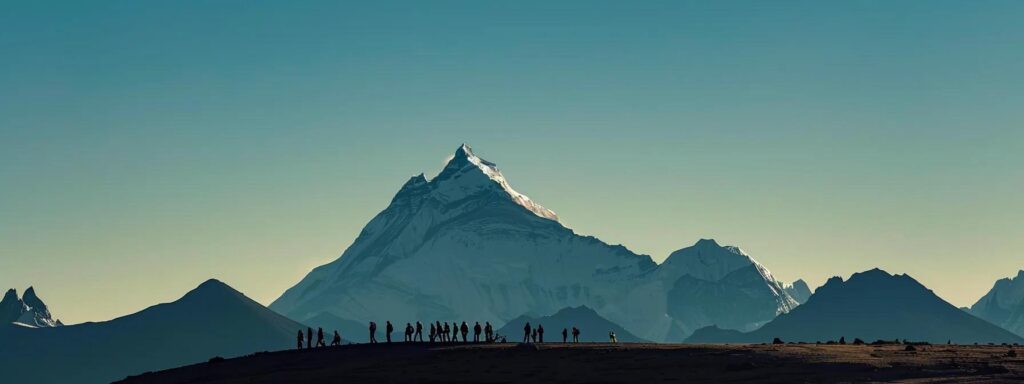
x: 465, y: 245
x: 1003, y: 305
x: 870, y: 305
x: 28, y: 311
x: 211, y: 320
x: 593, y: 327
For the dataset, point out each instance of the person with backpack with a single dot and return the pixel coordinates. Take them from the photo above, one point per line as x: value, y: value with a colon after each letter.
x: 526, y: 332
x: 388, y: 329
x: 476, y: 332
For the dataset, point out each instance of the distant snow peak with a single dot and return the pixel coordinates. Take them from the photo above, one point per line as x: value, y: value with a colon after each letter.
x: 29, y: 310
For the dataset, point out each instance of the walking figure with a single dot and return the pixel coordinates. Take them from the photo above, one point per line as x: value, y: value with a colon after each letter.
x: 533, y: 335
x: 540, y: 333
x: 465, y: 331
x: 300, y: 339
x: 320, y: 337
x: 388, y: 329
x: 433, y: 330
x: 575, y: 334
x: 476, y: 332
x: 526, y: 332
x: 611, y: 337
x: 373, y: 332
x: 309, y: 338
x: 489, y: 332
x: 447, y: 331
x: 337, y: 339
x: 419, y: 331
x: 565, y: 335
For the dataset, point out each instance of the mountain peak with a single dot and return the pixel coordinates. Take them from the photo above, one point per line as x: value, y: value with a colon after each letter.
x: 12, y: 294
x: 464, y: 151
x: 467, y: 173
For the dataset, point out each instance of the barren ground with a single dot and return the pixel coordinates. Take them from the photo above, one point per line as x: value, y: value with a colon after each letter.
x: 566, y: 363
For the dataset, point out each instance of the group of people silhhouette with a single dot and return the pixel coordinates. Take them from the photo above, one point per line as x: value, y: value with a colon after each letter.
x: 443, y: 332
x: 336, y: 341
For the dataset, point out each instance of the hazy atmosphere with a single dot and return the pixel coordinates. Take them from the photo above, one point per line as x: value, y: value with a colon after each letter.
x: 146, y: 146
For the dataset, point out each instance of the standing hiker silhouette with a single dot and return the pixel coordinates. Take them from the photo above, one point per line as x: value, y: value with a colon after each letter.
x: 447, y: 332
x: 388, y: 329
x: 488, y: 332
x: 526, y: 332
x: 433, y: 330
x: 465, y: 331
x: 476, y: 332
x: 320, y: 337
x: 373, y: 332
x: 300, y: 339
x: 419, y: 331
x: 408, y: 333
x: 565, y: 335
x: 309, y: 338
x: 533, y: 335
x: 337, y: 339
x: 575, y: 334
x: 540, y: 333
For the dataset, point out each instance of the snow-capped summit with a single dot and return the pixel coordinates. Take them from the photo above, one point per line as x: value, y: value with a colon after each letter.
x: 466, y: 173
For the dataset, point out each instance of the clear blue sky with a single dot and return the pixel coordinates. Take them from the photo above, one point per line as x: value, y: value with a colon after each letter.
x: 148, y: 145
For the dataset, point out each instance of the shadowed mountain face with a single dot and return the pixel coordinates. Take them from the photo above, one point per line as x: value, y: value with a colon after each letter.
x: 710, y: 284
x: 211, y: 320
x: 1003, y: 305
x: 593, y: 327
x: 870, y: 305
x: 465, y: 245
x: 29, y: 310
x: 799, y: 291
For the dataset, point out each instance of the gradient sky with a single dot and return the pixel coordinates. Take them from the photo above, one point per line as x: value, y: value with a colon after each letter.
x: 147, y: 146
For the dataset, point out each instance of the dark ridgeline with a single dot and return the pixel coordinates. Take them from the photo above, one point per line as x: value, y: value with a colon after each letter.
x: 871, y: 305
x: 211, y: 320
x: 592, y: 326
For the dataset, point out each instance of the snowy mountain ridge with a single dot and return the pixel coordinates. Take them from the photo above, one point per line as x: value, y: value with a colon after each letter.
x: 466, y: 245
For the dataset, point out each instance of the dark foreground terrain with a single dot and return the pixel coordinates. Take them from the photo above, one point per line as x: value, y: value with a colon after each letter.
x: 560, y: 363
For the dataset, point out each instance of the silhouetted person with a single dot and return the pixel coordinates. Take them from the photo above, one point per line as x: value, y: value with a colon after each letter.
x: 465, y: 332
x: 455, y: 331
x: 611, y: 337
x: 408, y: 332
x: 540, y: 333
x: 433, y: 330
x: 476, y: 332
x: 438, y: 333
x: 301, y: 337
x: 565, y: 335
x: 309, y: 338
x: 447, y: 331
x: 575, y: 334
x: 533, y: 335
x: 526, y: 332
x: 337, y: 339
x: 488, y: 332
x: 373, y: 332
x: 320, y: 338
x: 419, y: 331
x: 388, y: 329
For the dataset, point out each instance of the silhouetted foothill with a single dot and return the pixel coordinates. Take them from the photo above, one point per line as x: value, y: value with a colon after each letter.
x: 777, y: 341
x: 858, y: 341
